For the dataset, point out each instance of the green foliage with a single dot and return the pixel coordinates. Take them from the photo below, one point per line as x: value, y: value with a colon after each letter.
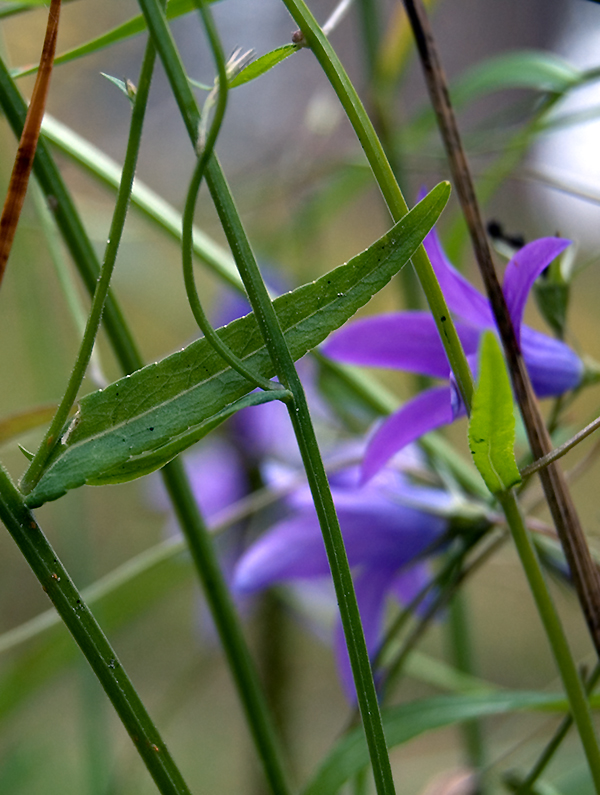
x: 263, y: 64
x: 406, y: 722
x: 127, y: 30
x: 149, y: 409
x: 492, y: 422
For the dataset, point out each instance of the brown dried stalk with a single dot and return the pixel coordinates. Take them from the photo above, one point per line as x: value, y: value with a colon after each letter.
x: 19, y: 178
x: 583, y: 571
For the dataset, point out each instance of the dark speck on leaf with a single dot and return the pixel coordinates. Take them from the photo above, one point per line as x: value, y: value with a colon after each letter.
x: 151, y: 428
x: 443, y: 318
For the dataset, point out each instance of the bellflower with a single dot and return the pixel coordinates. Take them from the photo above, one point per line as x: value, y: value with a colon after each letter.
x: 410, y: 341
x: 387, y: 525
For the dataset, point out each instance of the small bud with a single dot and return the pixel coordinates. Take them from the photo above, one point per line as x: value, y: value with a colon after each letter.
x: 298, y: 38
x: 131, y: 89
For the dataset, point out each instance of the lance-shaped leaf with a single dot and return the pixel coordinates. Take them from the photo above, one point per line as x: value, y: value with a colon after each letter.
x: 492, y: 422
x: 263, y: 64
x: 142, y: 413
x: 407, y: 721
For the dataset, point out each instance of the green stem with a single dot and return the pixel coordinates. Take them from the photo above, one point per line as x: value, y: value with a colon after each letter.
x: 462, y: 653
x: 388, y: 185
x: 370, y: 28
x: 228, y: 625
x: 393, y: 196
x: 555, y: 742
x: 55, y: 581
x: 36, y: 468
x: 316, y: 475
x: 188, y: 216
x: 580, y: 708
x: 299, y: 414
x: 85, y: 259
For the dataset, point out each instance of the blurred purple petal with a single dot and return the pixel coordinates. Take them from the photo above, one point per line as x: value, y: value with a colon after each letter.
x: 293, y: 549
x: 377, y: 529
x: 553, y: 367
x: 371, y: 591
x: 522, y: 271
x: 422, y: 414
x: 460, y: 295
x: 216, y: 474
x: 410, y: 583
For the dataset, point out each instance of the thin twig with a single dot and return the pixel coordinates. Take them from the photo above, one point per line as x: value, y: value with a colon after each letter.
x: 558, y: 452
x: 19, y: 178
x: 583, y: 571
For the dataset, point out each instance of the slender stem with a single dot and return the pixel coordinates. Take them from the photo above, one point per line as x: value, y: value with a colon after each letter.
x: 85, y: 259
x: 554, y: 744
x: 580, y: 708
x: 228, y: 625
x: 388, y: 185
x: 19, y: 179
x: 36, y: 468
x: 584, y: 572
x: 72, y: 297
x: 559, y: 452
x: 462, y: 652
x: 69, y: 224
x: 364, y: 130
x: 55, y: 581
x: 188, y: 215
x: 317, y: 479
x: 299, y: 414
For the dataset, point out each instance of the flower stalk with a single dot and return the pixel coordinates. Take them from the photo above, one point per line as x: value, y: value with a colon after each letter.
x: 586, y: 577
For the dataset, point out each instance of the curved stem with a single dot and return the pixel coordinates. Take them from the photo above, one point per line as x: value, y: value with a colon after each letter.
x: 190, y: 286
x: 120, y: 337
x: 207, y: 148
x: 36, y: 468
x: 388, y: 185
x: 298, y: 409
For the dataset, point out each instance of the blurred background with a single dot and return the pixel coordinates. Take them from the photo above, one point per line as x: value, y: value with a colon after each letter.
x: 309, y: 204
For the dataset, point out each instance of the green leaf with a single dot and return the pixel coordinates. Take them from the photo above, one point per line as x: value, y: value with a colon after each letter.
x: 263, y: 64
x: 350, y: 755
x: 536, y: 70
x: 121, y: 85
x: 492, y: 422
x: 153, y: 407
x: 132, y: 27
x: 8, y: 9
x: 150, y: 461
x: 533, y: 69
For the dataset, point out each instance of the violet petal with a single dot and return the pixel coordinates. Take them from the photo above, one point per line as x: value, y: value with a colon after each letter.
x: 460, y: 295
x: 293, y: 549
x: 552, y: 366
x: 403, y: 340
x: 522, y: 271
x: 427, y: 411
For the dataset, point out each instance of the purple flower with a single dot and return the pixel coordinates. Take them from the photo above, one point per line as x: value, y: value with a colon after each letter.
x: 387, y: 525
x: 410, y: 341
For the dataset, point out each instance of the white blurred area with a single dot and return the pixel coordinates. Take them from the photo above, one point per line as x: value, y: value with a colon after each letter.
x: 567, y: 161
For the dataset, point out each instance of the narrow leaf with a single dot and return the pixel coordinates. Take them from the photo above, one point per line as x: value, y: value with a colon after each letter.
x: 263, y: 64
x: 349, y: 756
x: 149, y: 409
x: 132, y: 27
x: 492, y: 422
